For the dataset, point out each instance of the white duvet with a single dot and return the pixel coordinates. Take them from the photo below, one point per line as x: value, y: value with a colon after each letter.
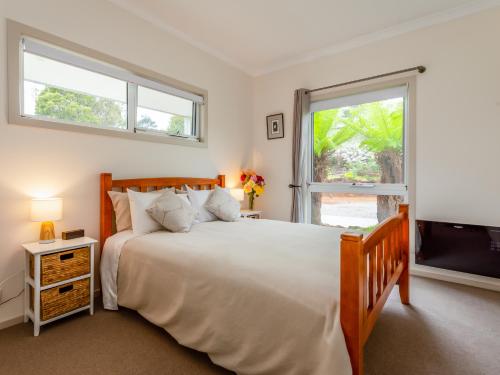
x: 259, y: 296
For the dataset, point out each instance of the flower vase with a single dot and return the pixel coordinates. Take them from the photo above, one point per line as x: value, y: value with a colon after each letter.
x: 251, y: 197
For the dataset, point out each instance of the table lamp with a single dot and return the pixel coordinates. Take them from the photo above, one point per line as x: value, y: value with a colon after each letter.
x: 46, y: 210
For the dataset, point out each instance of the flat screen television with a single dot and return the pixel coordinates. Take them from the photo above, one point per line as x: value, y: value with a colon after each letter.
x: 466, y: 248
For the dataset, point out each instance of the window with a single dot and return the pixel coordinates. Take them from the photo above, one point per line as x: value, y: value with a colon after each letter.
x: 166, y: 113
x: 60, y: 88
x: 358, y: 159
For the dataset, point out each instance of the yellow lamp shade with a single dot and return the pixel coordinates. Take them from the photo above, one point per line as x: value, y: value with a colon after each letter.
x: 46, y: 209
x: 238, y: 194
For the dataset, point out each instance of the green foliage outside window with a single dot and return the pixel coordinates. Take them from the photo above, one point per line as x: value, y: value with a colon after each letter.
x: 176, y: 125
x: 76, y: 107
x: 72, y: 106
x: 377, y: 130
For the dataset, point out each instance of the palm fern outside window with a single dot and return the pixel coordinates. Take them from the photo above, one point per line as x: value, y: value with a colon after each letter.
x: 358, y: 160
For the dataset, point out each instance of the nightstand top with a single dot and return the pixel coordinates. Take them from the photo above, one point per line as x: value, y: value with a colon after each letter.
x: 250, y: 212
x: 58, y: 245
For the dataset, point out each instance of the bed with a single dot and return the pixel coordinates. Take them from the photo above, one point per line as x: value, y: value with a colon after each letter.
x: 259, y: 296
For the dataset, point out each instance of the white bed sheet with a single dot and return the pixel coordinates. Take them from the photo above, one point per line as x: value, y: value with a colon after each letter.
x: 109, y: 267
x: 259, y: 296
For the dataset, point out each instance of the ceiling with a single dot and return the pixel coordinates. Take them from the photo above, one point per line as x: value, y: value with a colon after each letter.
x: 260, y: 36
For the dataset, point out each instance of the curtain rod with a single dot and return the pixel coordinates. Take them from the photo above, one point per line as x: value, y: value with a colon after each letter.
x: 419, y: 68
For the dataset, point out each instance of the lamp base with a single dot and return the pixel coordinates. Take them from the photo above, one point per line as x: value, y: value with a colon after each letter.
x: 47, y: 234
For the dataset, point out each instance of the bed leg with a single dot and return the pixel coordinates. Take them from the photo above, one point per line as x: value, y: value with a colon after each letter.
x: 352, y: 285
x: 404, y: 287
x: 357, y: 362
x: 404, y: 279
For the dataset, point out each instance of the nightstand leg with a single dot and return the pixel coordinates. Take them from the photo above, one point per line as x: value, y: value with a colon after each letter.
x: 36, y: 299
x: 92, y: 279
x: 26, y: 286
x: 26, y: 302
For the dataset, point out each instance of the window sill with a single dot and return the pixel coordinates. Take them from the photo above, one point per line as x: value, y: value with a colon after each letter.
x: 140, y: 136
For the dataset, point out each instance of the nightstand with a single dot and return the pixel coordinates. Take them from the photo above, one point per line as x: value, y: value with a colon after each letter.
x: 250, y: 214
x: 59, y: 280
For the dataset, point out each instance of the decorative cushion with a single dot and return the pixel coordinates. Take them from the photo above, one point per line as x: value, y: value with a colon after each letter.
x: 121, y: 206
x: 142, y: 223
x: 185, y: 198
x: 198, y: 199
x: 173, y: 212
x: 223, y: 205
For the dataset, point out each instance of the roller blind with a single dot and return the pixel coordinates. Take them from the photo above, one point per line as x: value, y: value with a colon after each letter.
x: 366, y: 97
x: 39, y: 48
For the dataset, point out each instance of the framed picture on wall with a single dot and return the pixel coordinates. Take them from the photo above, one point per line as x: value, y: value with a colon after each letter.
x: 275, y: 127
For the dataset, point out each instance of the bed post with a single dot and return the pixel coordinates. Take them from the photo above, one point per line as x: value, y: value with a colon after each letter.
x: 352, y: 284
x: 404, y: 279
x: 106, y: 208
x: 222, y: 180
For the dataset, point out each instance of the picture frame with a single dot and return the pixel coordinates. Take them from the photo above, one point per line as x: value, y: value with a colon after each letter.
x: 275, y: 126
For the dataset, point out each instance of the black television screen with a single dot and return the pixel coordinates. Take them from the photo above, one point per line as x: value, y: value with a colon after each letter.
x: 459, y: 247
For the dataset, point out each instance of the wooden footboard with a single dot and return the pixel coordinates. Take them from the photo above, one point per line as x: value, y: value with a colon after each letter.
x: 370, y: 267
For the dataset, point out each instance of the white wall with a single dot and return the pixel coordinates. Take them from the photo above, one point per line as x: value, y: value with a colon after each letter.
x: 458, y: 116
x: 68, y: 164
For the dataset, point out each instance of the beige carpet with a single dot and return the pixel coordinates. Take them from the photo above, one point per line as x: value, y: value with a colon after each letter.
x: 449, y: 329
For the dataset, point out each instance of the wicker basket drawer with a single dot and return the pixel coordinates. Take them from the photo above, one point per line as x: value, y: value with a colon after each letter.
x: 63, y: 265
x: 62, y: 299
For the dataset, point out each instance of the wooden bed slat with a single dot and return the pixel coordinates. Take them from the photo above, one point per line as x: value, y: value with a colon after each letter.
x: 379, y: 269
x: 372, y: 294
x: 394, y: 240
x: 385, y: 243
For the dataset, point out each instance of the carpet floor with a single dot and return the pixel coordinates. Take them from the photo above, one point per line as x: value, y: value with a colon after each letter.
x: 448, y: 330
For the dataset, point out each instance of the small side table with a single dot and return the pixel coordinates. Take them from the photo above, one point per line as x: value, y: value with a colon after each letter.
x: 251, y: 214
x: 59, y: 280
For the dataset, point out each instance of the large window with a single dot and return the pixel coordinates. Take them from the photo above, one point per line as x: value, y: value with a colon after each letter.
x: 67, y: 88
x: 358, y: 168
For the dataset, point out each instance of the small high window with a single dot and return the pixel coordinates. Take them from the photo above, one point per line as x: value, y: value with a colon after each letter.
x: 62, y: 87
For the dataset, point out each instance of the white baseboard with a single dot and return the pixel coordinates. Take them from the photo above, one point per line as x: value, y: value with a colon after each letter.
x: 11, y: 322
x: 456, y: 277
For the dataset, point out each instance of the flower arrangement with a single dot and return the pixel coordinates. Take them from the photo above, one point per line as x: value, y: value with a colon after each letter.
x: 253, y: 185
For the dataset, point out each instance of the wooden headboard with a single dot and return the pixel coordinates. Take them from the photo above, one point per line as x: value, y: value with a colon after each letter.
x: 144, y: 185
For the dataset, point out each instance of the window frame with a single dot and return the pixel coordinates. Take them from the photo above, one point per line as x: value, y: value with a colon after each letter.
x: 407, y: 187
x: 140, y: 76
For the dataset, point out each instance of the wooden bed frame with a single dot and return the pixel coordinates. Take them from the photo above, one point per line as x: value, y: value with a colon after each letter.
x: 369, y: 267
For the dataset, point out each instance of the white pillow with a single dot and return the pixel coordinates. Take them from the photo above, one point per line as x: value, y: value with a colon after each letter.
x: 223, y: 205
x: 185, y: 198
x: 121, y: 206
x: 173, y: 212
x: 142, y: 223
x: 198, y: 199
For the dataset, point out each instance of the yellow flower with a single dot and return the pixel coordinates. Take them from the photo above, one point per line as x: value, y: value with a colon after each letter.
x: 248, y: 187
x: 258, y: 189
